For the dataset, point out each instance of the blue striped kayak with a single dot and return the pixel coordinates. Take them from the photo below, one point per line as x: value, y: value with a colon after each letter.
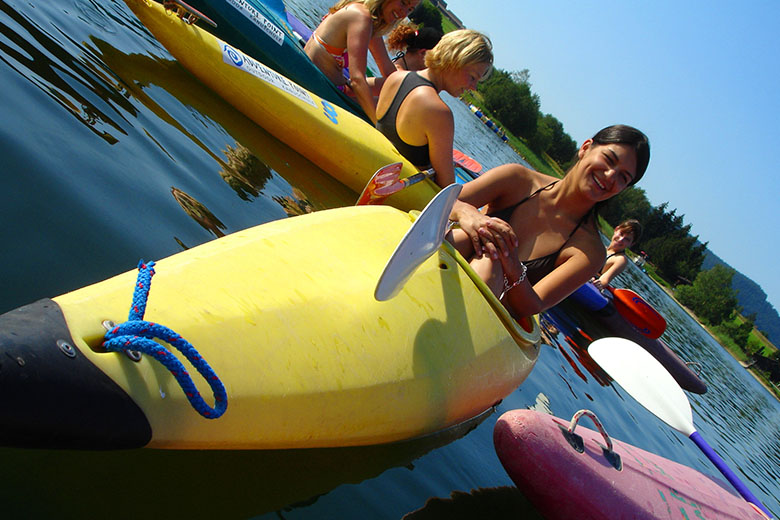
x: 340, y: 143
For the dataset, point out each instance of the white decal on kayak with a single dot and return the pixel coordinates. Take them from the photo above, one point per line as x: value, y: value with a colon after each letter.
x: 236, y: 58
x: 254, y: 16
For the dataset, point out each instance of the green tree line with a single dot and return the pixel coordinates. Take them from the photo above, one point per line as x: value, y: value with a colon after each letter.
x: 678, y: 257
x: 508, y: 96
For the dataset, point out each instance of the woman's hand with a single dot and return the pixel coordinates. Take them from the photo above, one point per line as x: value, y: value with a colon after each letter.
x: 489, y: 236
x: 512, y: 266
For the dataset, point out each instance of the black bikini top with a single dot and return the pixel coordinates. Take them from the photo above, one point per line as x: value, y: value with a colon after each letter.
x: 540, y: 267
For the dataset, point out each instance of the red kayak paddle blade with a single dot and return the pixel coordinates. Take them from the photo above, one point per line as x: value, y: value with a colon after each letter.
x: 639, y: 313
x: 384, y: 177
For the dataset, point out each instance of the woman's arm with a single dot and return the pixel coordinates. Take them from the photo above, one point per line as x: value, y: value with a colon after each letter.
x: 381, y: 57
x: 614, y: 268
x: 496, y: 188
x: 437, y: 123
x: 576, y: 268
x: 358, y: 37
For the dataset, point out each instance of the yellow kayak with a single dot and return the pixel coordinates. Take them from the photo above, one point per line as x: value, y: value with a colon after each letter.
x: 339, y: 142
x: 284, y: 314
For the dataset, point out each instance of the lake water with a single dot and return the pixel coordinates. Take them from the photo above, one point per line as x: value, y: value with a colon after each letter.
x: 112, y: 152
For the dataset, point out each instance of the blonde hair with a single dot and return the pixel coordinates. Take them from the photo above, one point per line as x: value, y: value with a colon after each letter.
x: 458, y: 49
x: 374, y: 8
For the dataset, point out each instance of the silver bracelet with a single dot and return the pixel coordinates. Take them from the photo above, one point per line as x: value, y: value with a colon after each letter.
x: 514, y: 284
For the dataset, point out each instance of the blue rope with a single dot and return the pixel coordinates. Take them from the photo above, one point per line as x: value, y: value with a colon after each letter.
x: 136, y: 334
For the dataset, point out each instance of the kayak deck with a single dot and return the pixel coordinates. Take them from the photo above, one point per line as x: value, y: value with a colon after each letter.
x: 284, y: 313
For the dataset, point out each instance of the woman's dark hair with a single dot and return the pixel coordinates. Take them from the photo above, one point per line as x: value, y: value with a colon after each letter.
x: 409, y: 37
x: 629, y: 136
x: 426, y: 38
x: 632, y: 226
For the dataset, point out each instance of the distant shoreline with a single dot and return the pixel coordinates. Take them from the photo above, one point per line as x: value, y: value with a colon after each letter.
x: 765, y: 384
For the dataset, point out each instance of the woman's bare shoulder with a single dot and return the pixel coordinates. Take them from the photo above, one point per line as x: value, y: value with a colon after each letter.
x: 393, y: 81
x: 587, y: 241
x: 521, y: 172
x: 426, y: 107
x: 356, y: 9
x: 521, y: 178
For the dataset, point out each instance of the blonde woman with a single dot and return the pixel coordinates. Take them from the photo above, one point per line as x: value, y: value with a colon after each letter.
x: 343, y: 39
x: 411, y: 113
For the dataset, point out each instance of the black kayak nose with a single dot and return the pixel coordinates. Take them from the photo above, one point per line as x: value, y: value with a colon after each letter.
x: 52, y: 396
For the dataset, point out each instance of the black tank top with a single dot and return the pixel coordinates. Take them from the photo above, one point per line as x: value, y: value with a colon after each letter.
x: 417, y: 155
x: 540, y: 267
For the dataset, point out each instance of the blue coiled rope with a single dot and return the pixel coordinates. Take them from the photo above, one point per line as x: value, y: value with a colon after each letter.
x: 137, y: 334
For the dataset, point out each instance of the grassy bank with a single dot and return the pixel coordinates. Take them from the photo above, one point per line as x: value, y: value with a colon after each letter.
x: 542, y: 163
x: 732, y: 348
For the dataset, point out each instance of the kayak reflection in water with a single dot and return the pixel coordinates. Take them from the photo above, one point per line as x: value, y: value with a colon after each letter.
x: 626, y: 234
x: 551, y: 221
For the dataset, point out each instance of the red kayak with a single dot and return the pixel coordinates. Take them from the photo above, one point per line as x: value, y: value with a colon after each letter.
x: 569, y: 471
x: 638, y: 312
x: 630, y: 317
x: 632, y: 307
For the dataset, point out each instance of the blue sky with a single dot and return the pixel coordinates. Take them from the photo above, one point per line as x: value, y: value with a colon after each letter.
x: 701, y: 79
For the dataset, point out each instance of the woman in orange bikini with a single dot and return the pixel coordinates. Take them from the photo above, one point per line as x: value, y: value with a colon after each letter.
x: 548, y: 223
x: 344, y: 37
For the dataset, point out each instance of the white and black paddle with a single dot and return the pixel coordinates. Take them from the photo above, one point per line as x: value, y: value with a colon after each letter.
x: 422, y: 240
x: 647, y: 381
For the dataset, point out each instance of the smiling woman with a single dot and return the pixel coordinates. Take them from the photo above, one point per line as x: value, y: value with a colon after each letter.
x: 547, y: 222
x: 339, y: 45
x: 626, y: 234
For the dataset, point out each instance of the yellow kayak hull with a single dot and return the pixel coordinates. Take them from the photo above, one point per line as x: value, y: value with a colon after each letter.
x: 334, y: 139
x: 284, y: 313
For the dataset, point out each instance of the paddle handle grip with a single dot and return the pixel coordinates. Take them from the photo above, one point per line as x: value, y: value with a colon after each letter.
x: 727, y: 472
x: 417, y: 177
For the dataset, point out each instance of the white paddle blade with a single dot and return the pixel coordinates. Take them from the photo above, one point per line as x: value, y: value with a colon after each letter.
x: 423, y: 238
x: 645, y: 379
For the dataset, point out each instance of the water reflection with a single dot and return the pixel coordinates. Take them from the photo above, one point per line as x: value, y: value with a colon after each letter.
x: 574, y: 348
x: 43, y: 60
x: 196, y: 484
x: 495, y: 502
x: 249, y: 165
x: 198, y: 212
x: 244, y: 172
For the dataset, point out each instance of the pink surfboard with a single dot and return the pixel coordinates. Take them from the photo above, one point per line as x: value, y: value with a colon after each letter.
x: 542, y: 458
